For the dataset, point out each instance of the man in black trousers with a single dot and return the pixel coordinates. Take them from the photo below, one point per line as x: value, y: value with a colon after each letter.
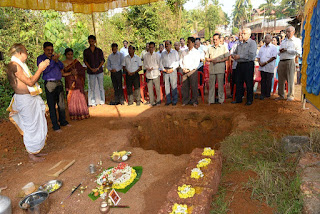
x: 245, y: 55
x: 114, y: 65
x: 53, y: 86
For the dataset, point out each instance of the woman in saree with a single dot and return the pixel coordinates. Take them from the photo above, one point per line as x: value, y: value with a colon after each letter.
x: 74, y: 74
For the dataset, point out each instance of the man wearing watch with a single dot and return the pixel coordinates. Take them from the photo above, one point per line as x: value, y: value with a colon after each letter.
x: 53, y: 86
x: 266, y: 59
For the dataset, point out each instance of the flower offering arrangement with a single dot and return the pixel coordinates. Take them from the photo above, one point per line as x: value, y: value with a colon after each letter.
x: 204, y: 162
x: 207, y: 151
x: 179, y: 209
x: 186, y: 191
x: 196, y: 173
x: 120, y: 178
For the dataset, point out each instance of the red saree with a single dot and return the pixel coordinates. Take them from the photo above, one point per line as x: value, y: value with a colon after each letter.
x: 77, y: 104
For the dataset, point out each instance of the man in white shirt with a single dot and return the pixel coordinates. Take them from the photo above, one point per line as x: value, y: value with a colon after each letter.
x: 223, y: 42
x: 152, y: 64
x: 131, y: 66
x: 161, y: 48
x: 124, y: 50
x: 170, y: 61
x: 182, y: 44
x: 177, y: 48
x: 114, y: 65
x: 266, y: 59
x: 197, y: 45
x: 189, y: 63
x: 144, y: 52
x: 290, y: 47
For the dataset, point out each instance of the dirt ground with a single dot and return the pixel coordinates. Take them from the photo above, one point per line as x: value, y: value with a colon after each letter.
x: 160, y: 139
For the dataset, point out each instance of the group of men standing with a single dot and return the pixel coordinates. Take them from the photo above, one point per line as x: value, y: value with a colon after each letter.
x: 169, y: 61
x: 244, y: 53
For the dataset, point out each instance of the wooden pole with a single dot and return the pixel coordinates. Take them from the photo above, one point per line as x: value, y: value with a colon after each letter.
x: 94, y: 26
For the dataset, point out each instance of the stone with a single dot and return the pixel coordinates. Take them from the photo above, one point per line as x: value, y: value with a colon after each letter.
x: 294, y: 144
x: 176, y: 123
x: 140, y: 128
x: 168, y: 116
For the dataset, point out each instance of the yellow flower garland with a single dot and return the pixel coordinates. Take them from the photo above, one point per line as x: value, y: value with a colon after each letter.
x: 186, y: 191
x: 128, y: 182
x: 208, y: 152
x: 179, y: 209
x: 204, y: 162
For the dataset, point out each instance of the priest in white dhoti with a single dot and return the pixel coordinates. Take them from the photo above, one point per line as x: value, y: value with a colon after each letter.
x: 27, y: 109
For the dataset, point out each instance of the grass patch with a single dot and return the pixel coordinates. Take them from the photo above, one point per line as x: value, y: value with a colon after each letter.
x: 277, y: 184
x: 219, y: 203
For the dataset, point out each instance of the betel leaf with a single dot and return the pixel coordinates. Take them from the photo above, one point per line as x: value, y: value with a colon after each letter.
x: 139, y: 173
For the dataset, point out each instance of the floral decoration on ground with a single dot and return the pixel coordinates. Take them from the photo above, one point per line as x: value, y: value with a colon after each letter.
x: 179, y: 209
x: 196, y: 173
x: 186, y: 191
x: 204, y: 162
x: 207, y: 151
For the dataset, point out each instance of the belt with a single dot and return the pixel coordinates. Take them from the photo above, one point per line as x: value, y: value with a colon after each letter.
x: 168, y: 67
x: 53, y: 80
x: 286, y: 59
x: 244, y: 62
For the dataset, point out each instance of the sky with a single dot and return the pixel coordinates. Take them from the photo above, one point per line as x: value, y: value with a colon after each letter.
x: 227, y: 5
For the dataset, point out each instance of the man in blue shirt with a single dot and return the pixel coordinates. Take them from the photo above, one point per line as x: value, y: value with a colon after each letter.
x: 53, y: 86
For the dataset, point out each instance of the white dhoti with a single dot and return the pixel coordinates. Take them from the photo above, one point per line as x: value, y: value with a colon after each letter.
x: 28, y: 114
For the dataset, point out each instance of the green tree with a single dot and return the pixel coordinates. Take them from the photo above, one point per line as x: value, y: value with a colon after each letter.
x: 212, y: 19
x: 241, y: 12
x: 235, y: 30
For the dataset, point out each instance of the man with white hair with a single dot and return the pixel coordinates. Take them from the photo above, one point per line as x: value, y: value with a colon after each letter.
x: 290, y: 47
x: 245, y: 55
x: 266, y: 59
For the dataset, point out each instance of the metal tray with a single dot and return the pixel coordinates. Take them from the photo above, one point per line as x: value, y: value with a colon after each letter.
x: 49, y: 185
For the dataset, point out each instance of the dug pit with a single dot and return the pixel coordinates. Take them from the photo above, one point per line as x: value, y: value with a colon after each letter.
x: 175, y: 133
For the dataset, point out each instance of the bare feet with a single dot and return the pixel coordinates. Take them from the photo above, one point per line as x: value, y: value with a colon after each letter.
x: 41, y: 154
x: 58, y: 130
x: 68, y: 125
x: 34, y: 158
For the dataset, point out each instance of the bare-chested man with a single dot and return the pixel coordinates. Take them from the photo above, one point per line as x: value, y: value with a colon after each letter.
x: 27, y: 109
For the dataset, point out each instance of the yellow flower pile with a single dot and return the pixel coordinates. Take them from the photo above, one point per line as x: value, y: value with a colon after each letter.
x: 179, y: 209
x: 126, y: 183
x: 196, y: 173
x: 186, y: 191
x: 204, y: 162
x: 208, y: 152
